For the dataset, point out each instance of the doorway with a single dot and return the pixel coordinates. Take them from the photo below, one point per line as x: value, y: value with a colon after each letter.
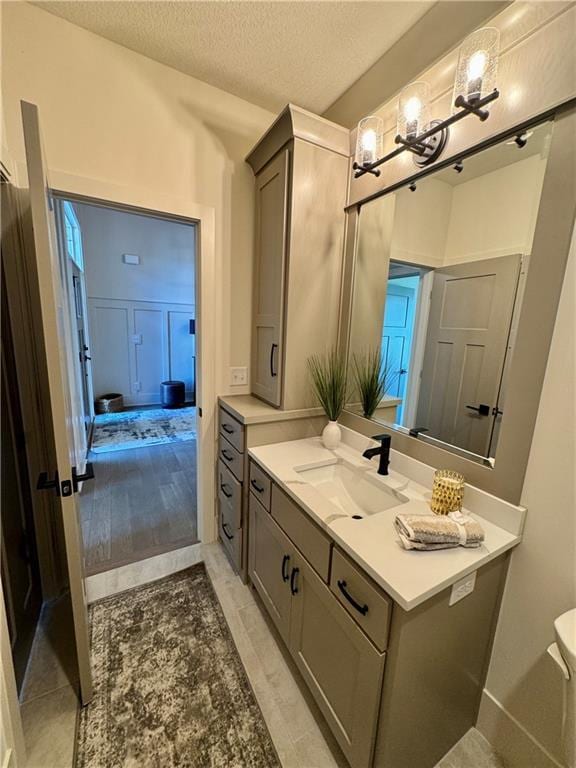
x: 131, y: 278
x: 402, y: 315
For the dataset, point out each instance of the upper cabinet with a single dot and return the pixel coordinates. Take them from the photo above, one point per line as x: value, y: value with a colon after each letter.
x: 301, y: 169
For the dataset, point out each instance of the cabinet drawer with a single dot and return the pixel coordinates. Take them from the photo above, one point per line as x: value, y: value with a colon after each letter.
x: 367, y: 605
x: 232, y: 430
x: 260, y: 485
x: 310, y: 540
x: 230, y: 493
x: 230, y: 536
x: 230, y: 457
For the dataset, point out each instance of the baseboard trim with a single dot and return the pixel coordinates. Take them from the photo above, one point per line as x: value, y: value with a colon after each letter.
x: 509, y: 738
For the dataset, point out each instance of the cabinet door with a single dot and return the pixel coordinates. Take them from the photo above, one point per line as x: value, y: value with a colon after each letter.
x: 340, y: 665
x: 270, y: 563
x: 271, y: 235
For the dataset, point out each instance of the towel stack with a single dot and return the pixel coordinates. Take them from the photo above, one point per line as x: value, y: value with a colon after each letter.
x: 428, y: 532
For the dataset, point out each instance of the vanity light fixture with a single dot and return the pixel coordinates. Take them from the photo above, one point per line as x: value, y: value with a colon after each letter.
x: 477, y: 70
x: 369, y: 141
x: 474, y: 89
x: 414, y: 120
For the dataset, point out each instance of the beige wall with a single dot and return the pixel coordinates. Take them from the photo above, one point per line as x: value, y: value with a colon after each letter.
x: 495, y: 214
x: 542, y: 581
x: 120, y: 120
x: 421, y: 223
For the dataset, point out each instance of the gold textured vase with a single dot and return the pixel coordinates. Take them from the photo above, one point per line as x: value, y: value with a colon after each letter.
x: 447, y: 492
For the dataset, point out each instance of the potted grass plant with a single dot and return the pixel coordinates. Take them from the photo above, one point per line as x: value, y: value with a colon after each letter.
x: 329, y: 380
x: 372, y: 379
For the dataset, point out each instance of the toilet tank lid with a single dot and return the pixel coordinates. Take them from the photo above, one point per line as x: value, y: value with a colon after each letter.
x: 565, y: 628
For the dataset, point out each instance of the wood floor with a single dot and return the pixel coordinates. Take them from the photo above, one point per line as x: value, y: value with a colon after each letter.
x: 141, y: 503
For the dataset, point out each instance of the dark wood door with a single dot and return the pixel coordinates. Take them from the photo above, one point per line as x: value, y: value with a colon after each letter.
x: 20, y: 572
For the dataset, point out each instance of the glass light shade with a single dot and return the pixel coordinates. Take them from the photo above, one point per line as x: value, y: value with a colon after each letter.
x: 369, y: 140
x: 413, y: 110
x: 477, y: 65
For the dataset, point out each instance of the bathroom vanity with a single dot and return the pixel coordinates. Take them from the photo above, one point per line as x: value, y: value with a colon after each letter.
x: 245, y: 422
x: 393, y: 644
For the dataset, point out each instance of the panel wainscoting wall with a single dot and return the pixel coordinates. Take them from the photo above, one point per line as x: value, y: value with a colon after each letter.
x: 138, y: 344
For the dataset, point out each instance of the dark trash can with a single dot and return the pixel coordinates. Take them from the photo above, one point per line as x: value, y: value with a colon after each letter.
x: 172, y: 393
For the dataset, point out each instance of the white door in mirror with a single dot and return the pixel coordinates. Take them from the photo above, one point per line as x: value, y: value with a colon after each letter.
x: 462, y: 588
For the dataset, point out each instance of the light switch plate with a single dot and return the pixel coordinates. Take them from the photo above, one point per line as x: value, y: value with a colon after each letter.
x: 130, y: 258
x: 462, y: 588
x: 238, y: 376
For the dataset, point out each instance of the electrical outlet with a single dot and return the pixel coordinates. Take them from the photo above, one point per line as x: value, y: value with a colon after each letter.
x: 238, y: 376
x: 462, y: 588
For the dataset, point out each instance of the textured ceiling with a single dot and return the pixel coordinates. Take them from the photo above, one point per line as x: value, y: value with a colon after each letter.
x: 269, y: 53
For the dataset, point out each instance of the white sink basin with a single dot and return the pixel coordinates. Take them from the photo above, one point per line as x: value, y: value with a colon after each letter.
x: 354, y: 491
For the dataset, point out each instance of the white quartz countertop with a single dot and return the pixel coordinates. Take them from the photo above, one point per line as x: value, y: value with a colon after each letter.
x: 408, y: 576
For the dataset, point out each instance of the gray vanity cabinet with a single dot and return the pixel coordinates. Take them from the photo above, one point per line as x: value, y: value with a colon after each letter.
x: 270, y: 560
x: 340, y: 665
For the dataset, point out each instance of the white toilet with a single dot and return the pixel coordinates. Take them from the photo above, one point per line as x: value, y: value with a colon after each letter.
x: 563, y: 651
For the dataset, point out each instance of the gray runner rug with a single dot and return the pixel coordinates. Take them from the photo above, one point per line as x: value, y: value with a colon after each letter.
x: 170, y: 689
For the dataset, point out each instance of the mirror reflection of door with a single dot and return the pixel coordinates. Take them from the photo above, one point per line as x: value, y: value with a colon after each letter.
x: 468, y: 329
x: 400, y: 311
x: 466, y: 232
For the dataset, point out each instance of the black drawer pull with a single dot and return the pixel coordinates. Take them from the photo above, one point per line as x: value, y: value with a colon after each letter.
x: 223, y: 487
x: 228, y: 535
x: 293, y: 587
x: 228, y: 429
x: 259, y: 488
x: 285, y: 562
x: 363, y: 609
x: 227, y: 455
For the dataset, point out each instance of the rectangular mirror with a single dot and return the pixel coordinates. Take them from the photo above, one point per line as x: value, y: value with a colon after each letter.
x: 438, y: 284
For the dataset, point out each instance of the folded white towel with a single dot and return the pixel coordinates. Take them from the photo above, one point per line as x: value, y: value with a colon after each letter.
x: 428, y: 532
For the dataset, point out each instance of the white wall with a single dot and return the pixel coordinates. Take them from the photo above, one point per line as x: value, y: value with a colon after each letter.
x: 138, y: 313
x: 166, y: 251
x: 112, y: 118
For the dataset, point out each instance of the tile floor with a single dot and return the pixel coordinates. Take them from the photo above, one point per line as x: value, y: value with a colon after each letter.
x: 297, y: 729
x: 49, y: 702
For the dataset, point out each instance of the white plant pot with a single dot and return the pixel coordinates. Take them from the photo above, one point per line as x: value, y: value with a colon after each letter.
x: 331, y: 435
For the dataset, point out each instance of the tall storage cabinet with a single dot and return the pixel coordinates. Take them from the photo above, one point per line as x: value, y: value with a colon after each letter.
x: 271, y: 234
x: 301, y: 169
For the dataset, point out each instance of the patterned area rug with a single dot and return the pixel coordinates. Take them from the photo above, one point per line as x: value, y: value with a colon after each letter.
x: 170, y: 689
x: 135, y: 429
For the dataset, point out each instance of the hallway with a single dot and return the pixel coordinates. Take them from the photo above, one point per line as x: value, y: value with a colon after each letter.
x: 141, y: 503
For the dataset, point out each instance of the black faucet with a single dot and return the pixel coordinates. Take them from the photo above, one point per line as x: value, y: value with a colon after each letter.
x: 383, y: 451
